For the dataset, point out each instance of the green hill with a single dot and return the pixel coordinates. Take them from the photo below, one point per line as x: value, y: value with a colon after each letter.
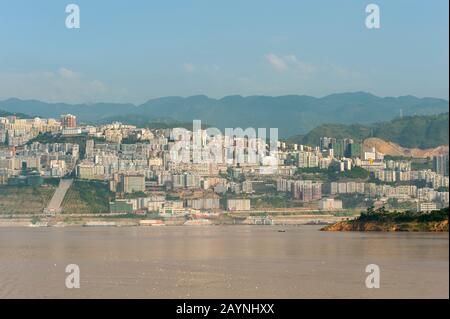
x: 419, y: 131
x: 19, y: 115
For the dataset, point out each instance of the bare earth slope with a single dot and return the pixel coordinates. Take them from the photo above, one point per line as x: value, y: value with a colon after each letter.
x: 393, y: 149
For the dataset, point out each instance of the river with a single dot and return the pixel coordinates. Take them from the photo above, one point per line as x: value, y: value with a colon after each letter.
x: 220, y: 262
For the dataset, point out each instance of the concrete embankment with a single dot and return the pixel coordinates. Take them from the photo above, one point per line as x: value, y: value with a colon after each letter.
x: 61, y: 220
x: 15, y: 222
x: 55, y: 203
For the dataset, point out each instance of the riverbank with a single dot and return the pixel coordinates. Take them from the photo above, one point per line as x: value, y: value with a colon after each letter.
x: 380, y: 220
x: 354, y: 225
x: 62, y: 220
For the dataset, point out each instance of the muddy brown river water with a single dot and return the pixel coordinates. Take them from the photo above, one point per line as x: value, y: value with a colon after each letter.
x: 220, y: 262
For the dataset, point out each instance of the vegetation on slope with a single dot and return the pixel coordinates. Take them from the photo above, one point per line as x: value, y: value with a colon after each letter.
x: 419, y: 131
x: 87, y: 197
x: 19, y: 115
x: 24, y: 199
x: 332, y: 174
x: 382, y: 220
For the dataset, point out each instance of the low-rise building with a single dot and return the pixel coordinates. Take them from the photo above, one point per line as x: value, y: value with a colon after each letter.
x: 238, y: 204
x: 330, y: 204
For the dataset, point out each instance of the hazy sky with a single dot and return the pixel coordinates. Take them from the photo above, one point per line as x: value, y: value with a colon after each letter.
x: 135, y: 50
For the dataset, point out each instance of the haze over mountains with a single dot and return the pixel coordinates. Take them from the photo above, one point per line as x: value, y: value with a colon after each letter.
x: 291, y: 114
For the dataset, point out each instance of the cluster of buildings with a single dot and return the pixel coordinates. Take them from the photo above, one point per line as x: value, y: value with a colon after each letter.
x: 48, y: 160
x: 304, y: 190
x: 15, y: 131
x: 145, y: 167
x: 157, y: 203
x: 401, y: 192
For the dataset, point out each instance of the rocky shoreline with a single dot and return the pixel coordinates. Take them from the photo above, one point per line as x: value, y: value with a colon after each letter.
x: 363, y: 226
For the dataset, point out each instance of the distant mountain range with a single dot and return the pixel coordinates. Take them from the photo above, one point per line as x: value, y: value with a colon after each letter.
x: 291, y: 114
x: 419, y: 131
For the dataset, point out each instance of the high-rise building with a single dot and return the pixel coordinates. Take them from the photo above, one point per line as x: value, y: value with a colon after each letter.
x: 307, y: 159
x: 69, y: 121
x: 247, y: 187
x: 326, y: 142
x: 306, y: 190
x: 346, y: 148
x: 338, y: 148
x: 440, y: 164
x: 89, y: 147
x: 354, y: 150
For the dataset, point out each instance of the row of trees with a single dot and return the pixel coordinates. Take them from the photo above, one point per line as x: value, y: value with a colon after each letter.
x: 382, y: 215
